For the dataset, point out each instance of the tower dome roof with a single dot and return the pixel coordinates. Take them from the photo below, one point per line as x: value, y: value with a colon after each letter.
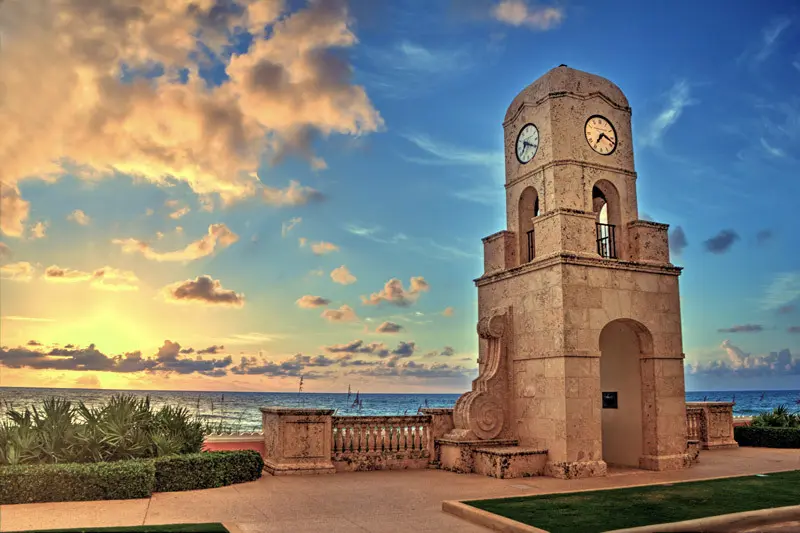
x: 565, y: 79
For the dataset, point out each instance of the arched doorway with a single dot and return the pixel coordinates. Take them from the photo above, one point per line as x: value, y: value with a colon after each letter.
x: 622, y: 343
x: 528, y: 209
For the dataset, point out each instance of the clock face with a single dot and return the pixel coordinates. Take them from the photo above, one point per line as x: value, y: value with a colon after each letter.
x: 527, y: 143
x: 600, y: 135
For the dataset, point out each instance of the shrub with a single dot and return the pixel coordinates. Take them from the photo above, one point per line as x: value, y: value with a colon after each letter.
x: 767, y: 437
x: 780, y: 417
x: 207, y: 470
x: 126, y: 427
x: 76, y: 482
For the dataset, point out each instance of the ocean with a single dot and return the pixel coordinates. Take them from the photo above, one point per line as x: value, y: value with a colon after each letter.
x: 240, y: 410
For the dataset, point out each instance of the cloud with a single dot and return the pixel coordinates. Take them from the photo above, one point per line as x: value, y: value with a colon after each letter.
x: 447, y: 351
x: 286, y: 227
x: 737, y: 362
x: 404, y: 349
x: 782, y: 292
x: 678, y: 98
x: 745, y: 328
x: 293, y: 195
x: 394, y: 293
x: 311, y: 302
x: 33, y: 343
x: 448, y: 311
x: 764, y: 236
x: 793, y: 329
x: 322, y: 248
x: 412, y: 369
x: 19, y: 271
x: 178, y: 211
x: 27, y: 319
x: 388, y: 327
x: 202, y: 290
x: 210, y: 350
x: 370, y: 233
x: 344, y: 314
x: 137, y: 104
x: 13, y: 209
x: 760, y: 51
x: 519, y: 13
x: 787, y: 309
x: 677, y: 240
x: 722, y: 242
x: 79, y: 217
x: 105, y: 278
x: 90, y: 382
x: 447, y: 154
x: 219, y: 236
x: 5, y: 251
x: 342, y: 276
x: 425, y: 245
x: 39, y: 230
x: 771, y: 150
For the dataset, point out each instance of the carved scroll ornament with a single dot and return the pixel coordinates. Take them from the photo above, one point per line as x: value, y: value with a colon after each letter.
x: 480, y: 413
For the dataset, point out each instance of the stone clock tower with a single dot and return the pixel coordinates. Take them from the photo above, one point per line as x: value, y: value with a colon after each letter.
x: 579, y: 311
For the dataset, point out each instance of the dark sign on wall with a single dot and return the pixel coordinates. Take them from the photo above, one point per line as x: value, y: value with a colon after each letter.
x: 609, y: 400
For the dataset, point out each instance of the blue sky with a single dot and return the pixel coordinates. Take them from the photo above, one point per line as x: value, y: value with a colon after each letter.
x: 262, y: 146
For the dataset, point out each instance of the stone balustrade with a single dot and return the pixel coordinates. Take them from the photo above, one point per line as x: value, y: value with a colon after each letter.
x: 712, y: 424
x: 381, y: 442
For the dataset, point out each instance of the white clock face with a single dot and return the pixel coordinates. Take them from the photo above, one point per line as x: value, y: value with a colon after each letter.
x: 527, y: 143
x: 600, y: 135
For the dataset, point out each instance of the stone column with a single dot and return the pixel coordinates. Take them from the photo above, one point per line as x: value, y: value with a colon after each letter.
x: 297, y: 441
x: 664, y: 432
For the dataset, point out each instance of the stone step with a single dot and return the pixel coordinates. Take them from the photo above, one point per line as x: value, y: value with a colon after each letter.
x: 505, y: 462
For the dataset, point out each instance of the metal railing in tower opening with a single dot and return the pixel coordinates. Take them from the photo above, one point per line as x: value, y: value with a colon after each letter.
x: 531, y: 246
x: 606, y: 241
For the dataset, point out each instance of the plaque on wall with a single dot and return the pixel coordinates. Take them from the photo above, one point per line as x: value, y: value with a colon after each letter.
x: 609, y: 400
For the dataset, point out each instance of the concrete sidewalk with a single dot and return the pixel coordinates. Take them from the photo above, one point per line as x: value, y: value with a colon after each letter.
x: 383, y: 501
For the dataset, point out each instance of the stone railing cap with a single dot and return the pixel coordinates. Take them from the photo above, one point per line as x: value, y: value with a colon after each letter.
x: 296, y: 411
x: 711, y: 404
x: 437, y: 410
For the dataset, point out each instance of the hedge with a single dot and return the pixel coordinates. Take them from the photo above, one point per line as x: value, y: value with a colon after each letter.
x: 121, y: 480
x: 206, y: 470
x: 767, y: 437
x: 62, y: 482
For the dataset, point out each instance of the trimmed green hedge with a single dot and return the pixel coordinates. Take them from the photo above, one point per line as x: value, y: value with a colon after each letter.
x: 767, y: 437
x: 121, y: 480
x: 207, y: 470
x: 63, y: 482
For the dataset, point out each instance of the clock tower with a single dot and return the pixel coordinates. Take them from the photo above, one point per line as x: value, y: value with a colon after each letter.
x: 579, y: 309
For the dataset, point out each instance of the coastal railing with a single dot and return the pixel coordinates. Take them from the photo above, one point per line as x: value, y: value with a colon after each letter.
x: 694, y: 423
x: 364, y: 434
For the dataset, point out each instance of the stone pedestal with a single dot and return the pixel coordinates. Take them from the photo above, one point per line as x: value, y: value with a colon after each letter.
x: 717, y: 425
x: 297, y: 441
x: 458, y: 455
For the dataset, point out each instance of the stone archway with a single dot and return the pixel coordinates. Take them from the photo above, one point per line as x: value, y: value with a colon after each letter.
x: 623, y: 342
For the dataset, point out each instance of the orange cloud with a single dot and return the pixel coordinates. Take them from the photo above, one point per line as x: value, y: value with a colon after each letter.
x: 39, y: 230
x: 322, y: 248
x: 448, y: 311
x: 394, y: 293
x: 287, y: 86
x: 219, y: 235
x: 106, y: 278
x: 344, y: 314
x: 79, y: 217
x: 20, y: 271
x: 342, y: 276
x: 202, y: 290
x: 310, y: 302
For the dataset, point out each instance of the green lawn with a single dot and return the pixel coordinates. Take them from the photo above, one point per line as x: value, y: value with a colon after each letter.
x: 605, y: 510
x: 171, y: 528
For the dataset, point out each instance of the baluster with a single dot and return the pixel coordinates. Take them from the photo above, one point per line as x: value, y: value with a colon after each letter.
x: 395, y: 437
x: 360, y: 433
x: 417, y: 439
x: 368, y: 434
x: 375, y: 436
x: 384, y: 435
x: 336, y: 435
x: 348, y: 442
x: 426, y: 445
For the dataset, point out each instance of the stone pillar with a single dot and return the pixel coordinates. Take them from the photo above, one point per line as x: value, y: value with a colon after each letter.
x: 664, y: 431
x: 297, y: 441
x: 441, y: 421
x: 718, y: 426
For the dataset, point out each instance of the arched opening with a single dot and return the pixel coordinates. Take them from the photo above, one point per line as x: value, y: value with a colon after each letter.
x: 528, y: 209
x: 622, y: 343
x: 605, y: 205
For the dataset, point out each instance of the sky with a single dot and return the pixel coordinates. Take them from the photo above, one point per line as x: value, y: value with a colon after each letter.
x: 231, y: 194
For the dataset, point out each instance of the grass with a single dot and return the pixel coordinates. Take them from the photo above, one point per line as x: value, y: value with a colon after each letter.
x: 605, y: 510
x: 170, y: 528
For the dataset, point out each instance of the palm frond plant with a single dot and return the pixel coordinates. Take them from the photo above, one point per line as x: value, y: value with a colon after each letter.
x: 780, y: 417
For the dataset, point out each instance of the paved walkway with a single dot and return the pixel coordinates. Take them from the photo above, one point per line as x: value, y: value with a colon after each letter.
x: 384, y: 501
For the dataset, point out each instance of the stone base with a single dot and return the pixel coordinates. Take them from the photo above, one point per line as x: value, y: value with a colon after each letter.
x: 665, y: 462
x: 297, y: 469
x: 509, y: 462
x: 722, y: 445
x: 458, y: 456
x: 369, y: 461
x: 576, y: 469
x: 693, y: 451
